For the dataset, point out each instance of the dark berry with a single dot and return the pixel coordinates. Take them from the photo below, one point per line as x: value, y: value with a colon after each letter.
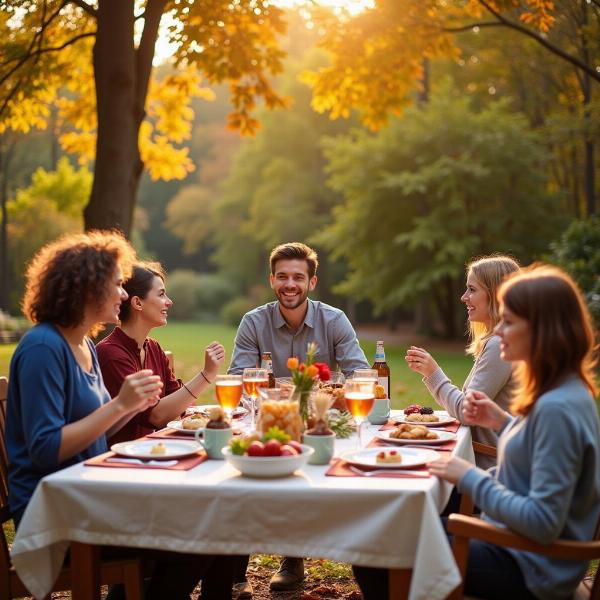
x: 427, y: 410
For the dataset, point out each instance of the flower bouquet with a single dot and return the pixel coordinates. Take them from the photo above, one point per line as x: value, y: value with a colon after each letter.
x: 305, y: 375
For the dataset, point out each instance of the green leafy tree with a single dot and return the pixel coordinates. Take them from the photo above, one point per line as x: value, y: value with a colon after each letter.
x: 438, y: 186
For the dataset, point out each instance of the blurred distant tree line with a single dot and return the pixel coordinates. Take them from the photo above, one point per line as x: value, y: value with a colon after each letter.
x: 478, y: 138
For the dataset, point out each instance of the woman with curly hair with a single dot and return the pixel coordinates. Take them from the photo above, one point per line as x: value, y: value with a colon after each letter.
x: 128, y: 349
x: 59, y: 411
x: 489, y: 373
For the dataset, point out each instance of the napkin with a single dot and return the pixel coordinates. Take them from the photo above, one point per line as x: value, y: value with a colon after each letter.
x: 183, y: 464
x: 340, y: 468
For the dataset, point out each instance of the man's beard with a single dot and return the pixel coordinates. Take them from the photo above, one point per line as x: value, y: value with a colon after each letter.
x: 291, y: 303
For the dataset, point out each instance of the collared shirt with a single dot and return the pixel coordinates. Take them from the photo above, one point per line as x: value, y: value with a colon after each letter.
x: 265, y: 330
x: 119, y: 356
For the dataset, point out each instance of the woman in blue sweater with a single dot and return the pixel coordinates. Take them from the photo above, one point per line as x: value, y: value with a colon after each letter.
x: 59, y: 411
x: 547, y: 482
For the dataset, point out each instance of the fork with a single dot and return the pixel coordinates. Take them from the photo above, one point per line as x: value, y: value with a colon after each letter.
x: 137, y: 461
x: 380, y: 471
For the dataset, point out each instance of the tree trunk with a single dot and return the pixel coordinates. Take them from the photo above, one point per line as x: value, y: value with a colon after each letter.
x: 6, y: 152
x: 121, y: 76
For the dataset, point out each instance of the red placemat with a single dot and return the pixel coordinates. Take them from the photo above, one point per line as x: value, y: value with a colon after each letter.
x: 451, y: 427
x: 447, y: 447
x: 340, y: 468
x: 183, y: 464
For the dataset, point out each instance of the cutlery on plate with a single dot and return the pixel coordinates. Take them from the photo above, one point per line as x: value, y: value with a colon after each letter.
x: 137, y: 461
x: 380, y: 471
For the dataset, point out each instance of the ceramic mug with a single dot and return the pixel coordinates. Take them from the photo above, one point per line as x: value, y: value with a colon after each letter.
x: 214, y: 440
x: 380, y: 412
x: 323, y: 446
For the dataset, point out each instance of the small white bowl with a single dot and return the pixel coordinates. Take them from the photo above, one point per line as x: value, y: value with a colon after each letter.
x: 268, y: 466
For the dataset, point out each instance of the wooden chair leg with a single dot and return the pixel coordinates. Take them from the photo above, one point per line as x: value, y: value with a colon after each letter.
x: 467, y: 506
x: 85, y: 569
x: 399, y: 583
x: 460, y: 548
x: 133, y: 581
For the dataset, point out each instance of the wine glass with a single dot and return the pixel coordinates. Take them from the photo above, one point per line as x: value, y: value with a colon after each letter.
x: 360, y: 396
x: 229, y: 392
x: 254, y: 379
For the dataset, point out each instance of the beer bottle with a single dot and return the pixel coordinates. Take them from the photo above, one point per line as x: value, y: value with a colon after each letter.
x: 267, y: 363
x: 383, y: 371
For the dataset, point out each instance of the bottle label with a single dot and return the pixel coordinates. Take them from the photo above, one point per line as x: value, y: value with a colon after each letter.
x: 385, y: 383
x: 267, y: 364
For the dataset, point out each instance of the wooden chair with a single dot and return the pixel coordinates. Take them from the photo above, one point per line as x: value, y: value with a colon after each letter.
x: 126, y: 571
x: 465, y: 527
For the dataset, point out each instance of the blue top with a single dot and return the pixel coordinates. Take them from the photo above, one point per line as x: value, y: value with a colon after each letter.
x: 265, y: 330
x: 47, y: 390
x: 547, y: 483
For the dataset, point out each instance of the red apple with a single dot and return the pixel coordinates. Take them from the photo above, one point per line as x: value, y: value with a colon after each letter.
x: 297, y: 446
x: 256, y: 448
x: 288, y: 450
x: 273, y: 448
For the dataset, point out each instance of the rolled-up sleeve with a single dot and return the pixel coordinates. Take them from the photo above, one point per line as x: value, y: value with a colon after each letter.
x: 246, y: 352
x: 348, y: 353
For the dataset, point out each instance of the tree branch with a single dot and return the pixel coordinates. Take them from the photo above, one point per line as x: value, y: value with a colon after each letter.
x: 542, y: 41
x: 472, y: 26
x: 90, y: 10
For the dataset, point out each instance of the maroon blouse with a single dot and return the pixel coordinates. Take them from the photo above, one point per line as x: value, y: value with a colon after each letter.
x: 119, y: 356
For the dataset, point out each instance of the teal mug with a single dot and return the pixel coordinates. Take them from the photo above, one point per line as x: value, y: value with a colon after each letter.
x: 323, y: 446
x: 380, y: 412
x: 214, y: 441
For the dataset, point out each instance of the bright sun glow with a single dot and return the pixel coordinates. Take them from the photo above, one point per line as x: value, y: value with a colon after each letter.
x: 164, y: 49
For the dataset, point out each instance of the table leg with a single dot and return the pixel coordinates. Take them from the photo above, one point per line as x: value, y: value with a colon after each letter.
x: 399, y: 583
x: 85, y: 571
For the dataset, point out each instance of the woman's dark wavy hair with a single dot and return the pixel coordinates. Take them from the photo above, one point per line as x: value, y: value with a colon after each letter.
x: 71, y: 272
x: 563, y: 339
x: 139, y: 284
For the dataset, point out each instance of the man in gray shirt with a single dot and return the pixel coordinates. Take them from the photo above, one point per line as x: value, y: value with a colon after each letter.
x: 284, y: 328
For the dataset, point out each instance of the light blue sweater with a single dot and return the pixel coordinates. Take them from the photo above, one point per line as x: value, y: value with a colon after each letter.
x: 547, y: 483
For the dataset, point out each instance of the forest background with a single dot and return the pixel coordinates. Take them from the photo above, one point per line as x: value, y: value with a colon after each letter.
x: 481, y: 138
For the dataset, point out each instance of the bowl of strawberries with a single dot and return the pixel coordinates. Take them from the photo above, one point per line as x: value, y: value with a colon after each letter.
x: 273, y: 454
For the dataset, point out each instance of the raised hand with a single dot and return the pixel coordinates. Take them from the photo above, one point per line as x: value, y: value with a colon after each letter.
x: 421, y: 361
x: 139, y: 391
x: 214, y: 355
x: 478, y: 409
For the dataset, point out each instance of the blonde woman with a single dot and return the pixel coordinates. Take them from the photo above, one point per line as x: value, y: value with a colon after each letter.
x: 489, y: 374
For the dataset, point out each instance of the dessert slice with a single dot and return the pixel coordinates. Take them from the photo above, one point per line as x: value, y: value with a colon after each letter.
x: 391, y: 456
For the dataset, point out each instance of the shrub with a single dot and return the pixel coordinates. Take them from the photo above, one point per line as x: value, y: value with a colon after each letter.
x: 213, y: 293
x: 578, y: 252
x: 235, y: 309
x: 184, y: 288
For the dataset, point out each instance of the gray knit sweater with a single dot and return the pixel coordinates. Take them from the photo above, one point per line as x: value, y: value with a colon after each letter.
x: 491, y: 375
x: 547, y: 483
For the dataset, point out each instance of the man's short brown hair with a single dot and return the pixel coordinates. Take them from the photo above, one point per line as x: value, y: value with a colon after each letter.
x: 295, y: 251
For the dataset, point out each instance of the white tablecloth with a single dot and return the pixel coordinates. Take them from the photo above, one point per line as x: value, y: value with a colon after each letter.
x: 378, y: 522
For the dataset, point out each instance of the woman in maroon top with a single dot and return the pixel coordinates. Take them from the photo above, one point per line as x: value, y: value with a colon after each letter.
x: 128, y: 349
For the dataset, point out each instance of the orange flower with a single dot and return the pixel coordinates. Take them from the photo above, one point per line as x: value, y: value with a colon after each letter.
x: 312, y: 371
x: 292, y: 363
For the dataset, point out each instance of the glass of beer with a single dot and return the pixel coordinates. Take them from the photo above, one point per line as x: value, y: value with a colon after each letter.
x: 229, y: 392
x: 254, y: 379
x: 360, y: 396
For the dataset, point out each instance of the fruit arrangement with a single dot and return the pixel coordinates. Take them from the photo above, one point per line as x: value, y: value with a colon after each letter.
x: 274, y: 442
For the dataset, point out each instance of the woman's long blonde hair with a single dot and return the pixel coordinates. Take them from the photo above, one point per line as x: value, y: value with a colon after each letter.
x: 562, y: 332
x: 490, y: 272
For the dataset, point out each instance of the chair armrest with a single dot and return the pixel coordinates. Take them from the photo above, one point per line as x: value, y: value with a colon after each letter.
x: 471, y: 527
x: 480, y: 448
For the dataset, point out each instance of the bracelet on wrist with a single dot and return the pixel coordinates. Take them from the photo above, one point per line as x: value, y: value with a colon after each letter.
x: 189, y: 391
x: 205, y: 377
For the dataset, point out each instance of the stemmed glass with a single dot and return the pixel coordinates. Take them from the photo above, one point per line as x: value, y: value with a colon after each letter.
x: 360, y: 396
x: 229, y: 392
x: 366, y: 374
x: 254, y: 379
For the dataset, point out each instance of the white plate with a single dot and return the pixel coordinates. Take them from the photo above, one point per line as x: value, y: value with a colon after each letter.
x: 175, y: 449
x: 268, y: 466
x: 443, y: 437
x: 179, y: 427
x: 411, y: 457
x: 445, y: 419
x: 238, y: 412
